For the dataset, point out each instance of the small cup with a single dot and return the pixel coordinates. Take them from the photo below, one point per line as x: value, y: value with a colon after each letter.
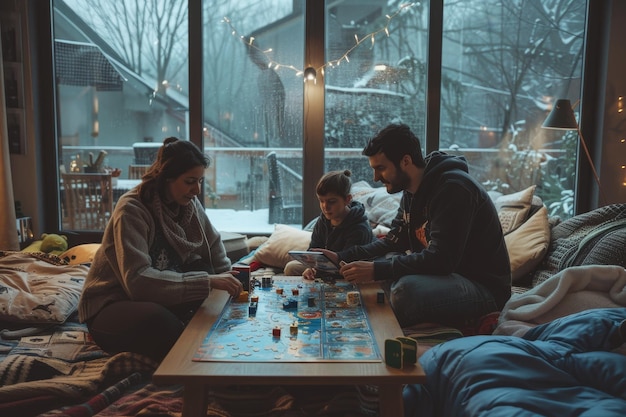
x: 243, y: 276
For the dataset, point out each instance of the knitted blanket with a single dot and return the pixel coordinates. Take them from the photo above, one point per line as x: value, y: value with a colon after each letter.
x: 570, y: 291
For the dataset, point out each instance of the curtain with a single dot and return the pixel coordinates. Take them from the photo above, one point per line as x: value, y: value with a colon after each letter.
x: 8, y: 222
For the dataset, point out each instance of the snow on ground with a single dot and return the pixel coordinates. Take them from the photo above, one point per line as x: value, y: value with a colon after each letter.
x: 246, y: 222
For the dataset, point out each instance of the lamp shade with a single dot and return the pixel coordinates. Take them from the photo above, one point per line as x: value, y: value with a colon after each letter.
x: 561, y: 117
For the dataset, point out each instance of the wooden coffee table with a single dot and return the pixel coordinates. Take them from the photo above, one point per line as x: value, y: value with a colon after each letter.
x: 179, y: 368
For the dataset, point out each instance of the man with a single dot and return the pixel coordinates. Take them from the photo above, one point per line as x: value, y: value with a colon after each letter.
x: 444, y: 258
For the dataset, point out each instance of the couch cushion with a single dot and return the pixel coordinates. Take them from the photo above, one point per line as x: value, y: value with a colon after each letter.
x: 594, y: 238
x: 528, y: 244
x: 284, y: 238
x: 513, y: 209
x: 80, y: 254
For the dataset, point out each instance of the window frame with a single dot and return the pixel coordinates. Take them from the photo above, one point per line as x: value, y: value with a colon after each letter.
x: 586, y: 195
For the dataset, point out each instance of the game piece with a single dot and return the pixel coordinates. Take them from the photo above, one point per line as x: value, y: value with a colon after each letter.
x: 409, y: 350
x: 266, y: 282
x: 243, y: 276
x: 295, y: 291
x: 252, y: 309
x: 254, y: 298
x: 243, y: 297
x: 400, y: 352
x: 279, y: 291
x: 393, y: 353
x: 380, y: 297
x: 290, y: 304
x: 352, y: 298
x: 311, y: 301
x: 276, y: 332
x: 293, y: 329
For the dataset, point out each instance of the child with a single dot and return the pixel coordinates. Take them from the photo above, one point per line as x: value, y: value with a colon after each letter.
x: 341, y: 224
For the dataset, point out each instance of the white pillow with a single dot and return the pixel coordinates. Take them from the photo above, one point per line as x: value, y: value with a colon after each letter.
x: 380, y: 206
x: 513, y: 208
x: 80, y: 254
x: 528, y: 244
x: 284, y: 238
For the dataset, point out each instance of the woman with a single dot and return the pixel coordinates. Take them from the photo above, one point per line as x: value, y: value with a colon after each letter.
x: 160, y: 257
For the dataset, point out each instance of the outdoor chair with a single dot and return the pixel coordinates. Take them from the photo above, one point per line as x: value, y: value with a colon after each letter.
x: 135, y: 172
x: 280, y: 211
x: 88, y: 200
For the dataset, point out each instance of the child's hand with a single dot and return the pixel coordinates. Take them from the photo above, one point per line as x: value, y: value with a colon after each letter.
x: 309, y: 273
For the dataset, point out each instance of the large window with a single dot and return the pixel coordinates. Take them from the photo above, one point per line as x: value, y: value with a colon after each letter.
x: 504, y: 63
x: 122, y: 86
x: 124, y: 82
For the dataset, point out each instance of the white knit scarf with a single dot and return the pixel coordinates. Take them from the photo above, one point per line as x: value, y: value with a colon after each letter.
x: 176, y: 226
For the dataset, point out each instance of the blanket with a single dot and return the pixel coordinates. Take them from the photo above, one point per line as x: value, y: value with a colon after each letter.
x: 569, y: 291
x: 567, y: 367
x: 38, y: 289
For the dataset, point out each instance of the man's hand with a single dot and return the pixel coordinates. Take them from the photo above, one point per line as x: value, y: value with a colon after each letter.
x: 329, y: 254
x: 358, y: 272
x: 227, y: 282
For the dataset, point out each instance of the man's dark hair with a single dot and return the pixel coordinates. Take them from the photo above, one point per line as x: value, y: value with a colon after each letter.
x: 395, y: 141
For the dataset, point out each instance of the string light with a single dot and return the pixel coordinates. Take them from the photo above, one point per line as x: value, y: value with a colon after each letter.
x: 334, y: 63
x: 310, y: 75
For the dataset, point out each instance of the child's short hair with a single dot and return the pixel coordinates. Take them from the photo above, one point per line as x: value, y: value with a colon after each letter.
x: 336, y: 182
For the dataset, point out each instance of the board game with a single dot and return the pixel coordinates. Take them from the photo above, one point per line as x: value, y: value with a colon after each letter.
x: 288, y: 319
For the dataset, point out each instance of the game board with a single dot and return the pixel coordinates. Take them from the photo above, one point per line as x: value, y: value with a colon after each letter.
x: 321, y: 327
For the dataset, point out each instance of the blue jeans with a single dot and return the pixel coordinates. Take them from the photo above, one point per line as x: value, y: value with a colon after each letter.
x: 451, y: 300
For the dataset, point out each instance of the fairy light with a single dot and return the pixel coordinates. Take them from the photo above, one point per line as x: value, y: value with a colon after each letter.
x: 333, y: 63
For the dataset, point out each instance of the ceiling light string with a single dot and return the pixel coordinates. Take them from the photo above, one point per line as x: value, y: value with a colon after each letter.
x: 310, y: 73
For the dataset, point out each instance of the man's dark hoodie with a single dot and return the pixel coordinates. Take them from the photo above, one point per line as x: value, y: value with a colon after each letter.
x: 449, y: 225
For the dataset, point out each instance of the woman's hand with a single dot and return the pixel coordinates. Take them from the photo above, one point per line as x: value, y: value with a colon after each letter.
x: 227, y: 282
x: 309, y: 274
x: 358, y: 272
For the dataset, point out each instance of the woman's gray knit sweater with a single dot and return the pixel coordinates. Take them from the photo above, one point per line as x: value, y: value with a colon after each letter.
x: 122, y: 268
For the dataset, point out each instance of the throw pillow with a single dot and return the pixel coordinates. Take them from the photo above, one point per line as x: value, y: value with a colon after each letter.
x: 597, y: 237
x: 380, y: 206
x: 528, y: 244
x: 513, y: 208
x: 80, y: 254
x: 284, y: 238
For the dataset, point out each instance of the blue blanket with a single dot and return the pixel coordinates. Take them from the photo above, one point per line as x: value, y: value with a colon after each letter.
x: 571, y: 366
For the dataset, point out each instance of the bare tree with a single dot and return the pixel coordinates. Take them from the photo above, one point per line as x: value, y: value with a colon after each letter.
x: 150, y: 35
x: 521, y: 50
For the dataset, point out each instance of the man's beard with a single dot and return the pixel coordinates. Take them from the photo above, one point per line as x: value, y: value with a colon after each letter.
x: 400, y: 183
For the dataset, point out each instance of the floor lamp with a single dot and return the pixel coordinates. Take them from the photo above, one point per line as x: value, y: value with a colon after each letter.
x: 562, y: 118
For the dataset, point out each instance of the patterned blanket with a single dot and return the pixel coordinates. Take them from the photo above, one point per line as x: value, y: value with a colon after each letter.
x: 58, y: 367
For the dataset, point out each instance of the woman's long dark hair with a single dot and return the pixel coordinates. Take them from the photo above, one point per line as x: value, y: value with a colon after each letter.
x: 174, y: 158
